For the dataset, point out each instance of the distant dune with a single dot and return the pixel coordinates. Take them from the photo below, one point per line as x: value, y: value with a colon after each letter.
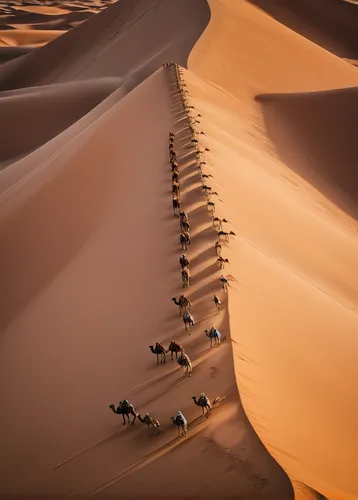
x: 90, y: 248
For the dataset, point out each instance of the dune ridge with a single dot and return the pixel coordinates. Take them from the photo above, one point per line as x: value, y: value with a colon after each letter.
x: 86, y: 217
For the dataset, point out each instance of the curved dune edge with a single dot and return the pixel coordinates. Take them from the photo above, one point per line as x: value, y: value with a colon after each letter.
x: 313, y: 218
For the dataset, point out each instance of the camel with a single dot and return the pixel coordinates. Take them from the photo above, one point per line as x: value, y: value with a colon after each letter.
x: 184, y: 240
x: 218, y: 248
x: 185, y: 225
x: 175, y: 176
x: 217, y: 302
x: 224, y: 283
x: 125, y: 408
x: 171, y: 134
x: 171, y: 140
x: 176, y: 190
x: 174, y: 347
x: 176, y: 206
x: 183, y: 303
x: 213, y: 333
x: 211, y: 207
x: 159, y: 350
x: 181, y: 423
x: 185, y: 362
x: 185, y: 277
x: 150, y: 421
x: 188, y: 320
x: 226, y: 235
x: 183, y: 218
x: 206, y: 176
x: 204, y: 402
x: 222, y: 262
x: 184, y: 261
x: 219, y: 222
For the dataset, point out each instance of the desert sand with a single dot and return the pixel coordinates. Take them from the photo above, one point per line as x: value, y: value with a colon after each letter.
x: 90, y: 251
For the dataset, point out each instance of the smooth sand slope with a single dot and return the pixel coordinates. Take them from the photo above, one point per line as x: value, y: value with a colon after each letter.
x: 293, y: 312
x: 86, y: 276
x: 90, y: 259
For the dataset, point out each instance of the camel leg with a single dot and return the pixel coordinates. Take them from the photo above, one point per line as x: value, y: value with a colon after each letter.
x: 124, y: 420
x: 157, y: 359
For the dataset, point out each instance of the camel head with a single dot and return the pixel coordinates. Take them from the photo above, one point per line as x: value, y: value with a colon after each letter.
x: 151, y: 348
x: 194, y: 399
x: 113, y: 408
x: 207, y: 333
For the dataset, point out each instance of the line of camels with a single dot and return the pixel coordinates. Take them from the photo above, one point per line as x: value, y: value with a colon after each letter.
x: 125, y: 408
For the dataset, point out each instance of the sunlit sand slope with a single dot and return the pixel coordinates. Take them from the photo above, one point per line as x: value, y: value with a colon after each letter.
x: 293, y: 308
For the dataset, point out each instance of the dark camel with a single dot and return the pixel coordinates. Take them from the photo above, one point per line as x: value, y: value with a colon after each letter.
x: 217, y: 302
x: 224, y: 283
x: 226, y: 235
x: 184, y: 240
x: 222, y: 262
x: 188, y: 320
x: 184, y: 261
x: 181, y: 423
x: 204, y: 402
x: 183, y: 303
x: 174, y: 347
x: 213, y: 334
x: 185, y: 225
x: 125, y: 409
x: 159, y: 350
x: 149, y: 421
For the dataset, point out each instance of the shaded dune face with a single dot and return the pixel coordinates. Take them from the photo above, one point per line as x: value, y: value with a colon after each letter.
x: 329, y: 23
x: 99, y: 47
x: 29, y: 119
x: 315, y: 134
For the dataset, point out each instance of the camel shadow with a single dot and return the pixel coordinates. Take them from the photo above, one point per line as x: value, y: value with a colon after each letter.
x: 205, y: 273
x: 204, y: 256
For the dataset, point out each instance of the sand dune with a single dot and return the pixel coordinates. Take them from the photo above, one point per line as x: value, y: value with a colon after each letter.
x: 90, y: 258
x: 329, y: 23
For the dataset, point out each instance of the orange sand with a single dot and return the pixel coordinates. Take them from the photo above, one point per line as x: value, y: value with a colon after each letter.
x: 90, y: 258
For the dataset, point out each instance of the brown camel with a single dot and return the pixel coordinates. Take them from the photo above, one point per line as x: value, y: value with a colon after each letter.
x: 183, y: 303
x: 176, y: 206
x: 185, y: 362
x: 185, y: 277
x: 174, y: 347
x: 149, y: 421
x: 218, y: 248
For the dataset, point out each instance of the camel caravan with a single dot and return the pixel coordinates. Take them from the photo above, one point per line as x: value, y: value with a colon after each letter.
x: 125, y: 408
